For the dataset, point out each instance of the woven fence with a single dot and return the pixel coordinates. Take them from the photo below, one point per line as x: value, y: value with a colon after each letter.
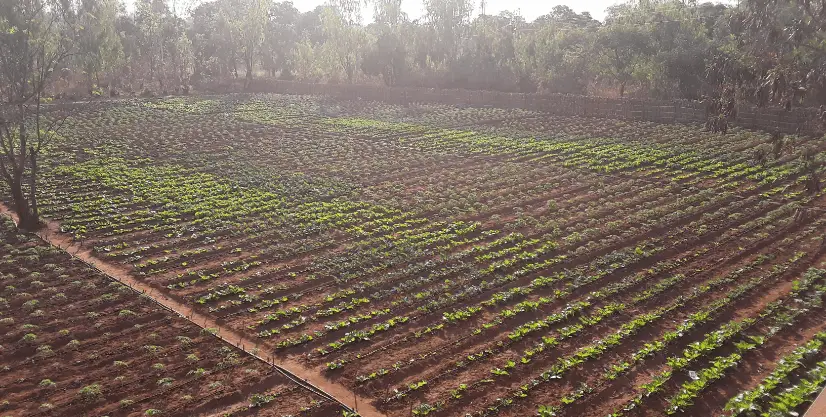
x: 798, y: 120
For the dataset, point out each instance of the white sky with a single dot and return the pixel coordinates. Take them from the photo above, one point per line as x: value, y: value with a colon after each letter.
x: 529, y: 9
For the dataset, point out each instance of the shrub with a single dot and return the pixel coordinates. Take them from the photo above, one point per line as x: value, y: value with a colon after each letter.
x: 45, y: 351
x: 209, y: 330
x: 47, y: 383
x: 165, y: 382
x: 153, y: 349
x: 126, y: 313
x: 91, y: 393
x: 184, y: 341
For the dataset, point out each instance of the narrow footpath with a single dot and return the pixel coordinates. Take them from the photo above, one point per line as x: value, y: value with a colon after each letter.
x: 311, y: 378
x: 818, y: 407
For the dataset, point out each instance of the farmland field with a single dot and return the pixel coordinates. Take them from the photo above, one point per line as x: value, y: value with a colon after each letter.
x: 77, y: 343
x: 454, y: 261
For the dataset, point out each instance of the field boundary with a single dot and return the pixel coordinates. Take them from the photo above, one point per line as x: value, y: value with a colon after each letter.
x: 801, y: 120
x: 302, y: 376
x: 818, y: 407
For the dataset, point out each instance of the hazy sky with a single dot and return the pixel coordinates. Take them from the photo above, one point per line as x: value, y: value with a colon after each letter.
x: 530, y: 9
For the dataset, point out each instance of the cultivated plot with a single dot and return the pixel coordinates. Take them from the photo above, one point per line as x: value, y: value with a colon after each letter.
x: 453, y: 261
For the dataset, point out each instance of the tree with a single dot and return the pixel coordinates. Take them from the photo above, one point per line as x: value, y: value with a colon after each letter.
x: 179, y: 48
x: 282, y: 36
x: 621, y: 48
x: 554, y: 52
x: 781, y: 46
x: 250, y: 24
x: 387, y: 58
x: 212, y: 49
x: 36, y: 37
x: 449, y: 20
x: 388, y: 55
x: 345, y: 42
x: 488, y: 54
x: 148, y: 16
x: 98, y: 44
x: 388, y: 12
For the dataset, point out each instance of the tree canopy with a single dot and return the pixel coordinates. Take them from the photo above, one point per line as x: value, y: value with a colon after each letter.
x: 767, y: 51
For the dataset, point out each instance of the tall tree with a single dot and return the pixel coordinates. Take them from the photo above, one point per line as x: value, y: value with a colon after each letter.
x: 387, y: 58
x: 449, y: 20
x: 346, y: 41
x: 99, y: 47
x: 388, y: 12
x: 781, y: 45
x: 555, y: 52
x: 250, y: 24
x: 282, y: 36
x: 148, y: 18
x: 212, y: 48
x: 621, y: 49
x: 36, y: 38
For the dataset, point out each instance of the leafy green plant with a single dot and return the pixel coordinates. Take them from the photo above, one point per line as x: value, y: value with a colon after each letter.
x: 91, y: 393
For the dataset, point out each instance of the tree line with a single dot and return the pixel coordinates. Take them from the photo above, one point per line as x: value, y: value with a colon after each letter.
x: 767, y: 51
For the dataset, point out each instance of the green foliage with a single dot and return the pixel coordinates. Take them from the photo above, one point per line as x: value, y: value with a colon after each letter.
x: 90, y: 393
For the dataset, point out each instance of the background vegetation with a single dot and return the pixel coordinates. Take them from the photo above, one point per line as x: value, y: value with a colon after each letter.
x: 769, y: 51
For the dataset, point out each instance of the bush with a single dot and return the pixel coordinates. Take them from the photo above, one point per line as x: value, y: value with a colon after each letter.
x: 91, y: 393
x: 47, y: 383
x: 165, y: 382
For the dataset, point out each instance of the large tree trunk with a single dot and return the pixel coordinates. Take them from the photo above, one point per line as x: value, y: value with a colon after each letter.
x: 35, y: 216
x: 248, y: 77
x: 21, y: 206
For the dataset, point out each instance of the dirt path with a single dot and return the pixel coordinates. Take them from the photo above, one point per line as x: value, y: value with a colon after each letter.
x: 122, y: 274
x: 818, y: 408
